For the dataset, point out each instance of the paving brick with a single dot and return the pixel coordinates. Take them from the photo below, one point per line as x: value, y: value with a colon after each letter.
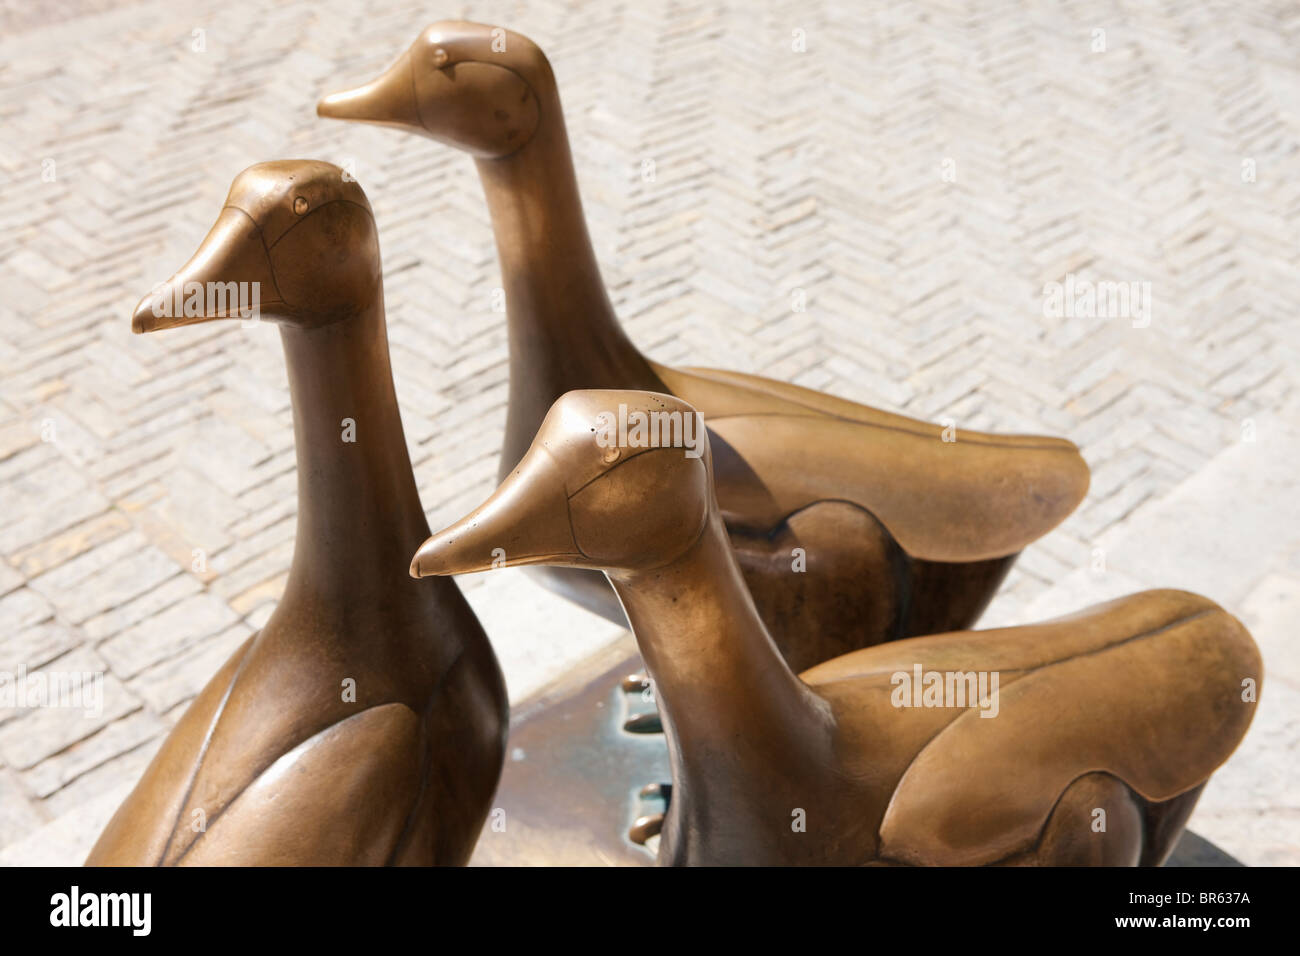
x: 22, y: 608
x: 9, y: 579
x: 129, y: 573
x: 180, y: 678
x: 54, y: 549
x: 31, y: 734
x: 16, y: 436
x: 35, y: 646
x: 20, y: 813
x: 114, y: 739
x: 166, y: 633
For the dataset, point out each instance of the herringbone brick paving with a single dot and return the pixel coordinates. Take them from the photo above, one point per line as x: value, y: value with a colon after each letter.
x: 914, y: 177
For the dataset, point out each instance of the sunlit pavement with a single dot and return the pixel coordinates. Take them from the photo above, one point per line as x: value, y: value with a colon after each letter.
x: 915, y: 180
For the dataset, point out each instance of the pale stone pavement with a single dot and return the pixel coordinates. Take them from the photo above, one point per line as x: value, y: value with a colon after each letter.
x: 915, y: 175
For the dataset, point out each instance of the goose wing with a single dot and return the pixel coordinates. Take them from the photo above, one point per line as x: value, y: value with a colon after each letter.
x: 139, y: 832
x: 1148, y: 689
x: 339, y: 798
x: 778, y: 449
x: 248, y: 778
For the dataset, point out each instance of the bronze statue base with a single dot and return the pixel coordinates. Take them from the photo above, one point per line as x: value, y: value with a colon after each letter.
x: 569, y: 790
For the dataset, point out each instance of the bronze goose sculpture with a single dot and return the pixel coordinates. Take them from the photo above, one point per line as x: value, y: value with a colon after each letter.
x: 1105, y: 724
x: 365, y: 722
x: 819, y: 494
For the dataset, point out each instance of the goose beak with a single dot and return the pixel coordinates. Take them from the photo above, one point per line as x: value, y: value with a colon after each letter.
x: 386, y: 101
x: 229, y: 277
x: 526, y: 521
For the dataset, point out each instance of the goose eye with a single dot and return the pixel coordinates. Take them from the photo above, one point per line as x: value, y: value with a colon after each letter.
x: 300, y: 205
x: 439, y: 58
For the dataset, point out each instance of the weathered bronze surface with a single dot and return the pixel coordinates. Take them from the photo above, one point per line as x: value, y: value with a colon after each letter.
x: 365, y: 723
x: 899, y: 531
x: 1125, y: 708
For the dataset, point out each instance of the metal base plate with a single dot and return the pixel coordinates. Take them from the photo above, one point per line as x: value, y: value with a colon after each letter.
x: 569, y: 790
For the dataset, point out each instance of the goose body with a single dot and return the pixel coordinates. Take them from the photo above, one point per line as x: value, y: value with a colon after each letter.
x: 1082, y: 740
x: 818, y: 494
x: 364, y: 724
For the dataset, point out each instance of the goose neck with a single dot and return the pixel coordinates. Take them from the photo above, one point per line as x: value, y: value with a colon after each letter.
x: 563, y: 332
x: 732, y: 710
x: 359, y: 514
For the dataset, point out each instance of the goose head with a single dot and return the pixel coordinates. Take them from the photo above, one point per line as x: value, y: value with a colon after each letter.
x: 295, y: 242
x: 468, y: 85
x: 616, y: 481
